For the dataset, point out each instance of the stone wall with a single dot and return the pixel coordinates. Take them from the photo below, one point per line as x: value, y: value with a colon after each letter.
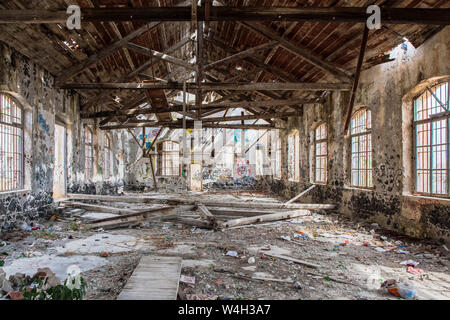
x: 388, y: 91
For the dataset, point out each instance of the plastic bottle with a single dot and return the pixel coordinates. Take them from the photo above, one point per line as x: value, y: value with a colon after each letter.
x: 406, y: 291
x: 399, y: 289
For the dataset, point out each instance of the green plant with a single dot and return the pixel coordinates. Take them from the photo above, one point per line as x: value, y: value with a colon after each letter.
x: 73, y: 226
x: 67, y: 291
x: 45, y: 234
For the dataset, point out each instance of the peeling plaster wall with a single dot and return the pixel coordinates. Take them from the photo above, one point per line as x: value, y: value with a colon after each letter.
x: 100, y: 182
x: 33, y: 87
x: 388, y: 90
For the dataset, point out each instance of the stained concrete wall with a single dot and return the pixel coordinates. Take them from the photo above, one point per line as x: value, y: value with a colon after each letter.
x: 388, y: 91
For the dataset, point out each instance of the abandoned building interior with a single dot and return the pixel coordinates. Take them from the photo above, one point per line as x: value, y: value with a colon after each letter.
x: 240, y: 149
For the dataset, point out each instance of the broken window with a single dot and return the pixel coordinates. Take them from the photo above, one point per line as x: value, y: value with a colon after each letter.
x: 321, y: 153
x: 11, y: 144
x: 294, y: 157
x: 361, y: 149
x: 169, y: 158
x: 108, y: 156
x: 88, y: 154
x: 431, y: 125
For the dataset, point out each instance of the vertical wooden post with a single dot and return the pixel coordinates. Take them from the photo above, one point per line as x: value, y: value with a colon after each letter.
x: 357, y: 75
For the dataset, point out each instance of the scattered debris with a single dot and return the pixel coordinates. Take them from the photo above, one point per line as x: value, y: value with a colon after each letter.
x: 187, y: 279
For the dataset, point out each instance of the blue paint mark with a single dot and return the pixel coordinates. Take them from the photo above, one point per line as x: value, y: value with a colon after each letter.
x: 43, y: 123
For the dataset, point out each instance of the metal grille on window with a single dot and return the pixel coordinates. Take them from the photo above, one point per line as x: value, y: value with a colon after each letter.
x: 11, y: 144
x: 321, y: 153
x: 431, y: 126
x: 88, y: 153
x: 170, y: 158
x: 361, y: 149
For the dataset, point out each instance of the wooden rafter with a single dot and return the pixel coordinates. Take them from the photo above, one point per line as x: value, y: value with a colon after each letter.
x: 216, y: 13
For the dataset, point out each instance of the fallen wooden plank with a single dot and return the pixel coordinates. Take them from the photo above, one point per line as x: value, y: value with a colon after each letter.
x: 176, y: 201
x: 301, y: 194
x: 239, y: 276
x: 238, y: 212
x: 192, y: 222
x: 308, y: 264
x: 155, y: 278
x: 206, y: 213
x: 263, y: 218
x: 124, y: 220
x: 99, y: 208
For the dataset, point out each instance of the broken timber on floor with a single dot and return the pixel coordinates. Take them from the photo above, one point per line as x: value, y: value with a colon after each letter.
x: 155, y: 278
x: 178, y: 201
x: 301, y: 194
x: 130, y: 219
x: 263, y: 218
x: 99, y: 208
x: 308, y: 264
x: 206, y: 213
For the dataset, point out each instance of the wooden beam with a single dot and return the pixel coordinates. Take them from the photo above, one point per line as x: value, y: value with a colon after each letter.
x: 93, y: 59
x: 176, y: 125
x: 357, y: 75
x: 127, y: 77
x: 176, y: 200
x: 160, y: 56
x: 206, y: 213
x: 263, y: 218
x: 242, y: 54
x: 252, y: 117
x: 301, y: 194
x: 256, y: 61
x: 225, y: 13
x: 298, y: 50
x: 265, y: 103
x: 238, y: 86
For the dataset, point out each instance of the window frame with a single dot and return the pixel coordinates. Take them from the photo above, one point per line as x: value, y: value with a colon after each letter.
x: 162, y: 162
x: 296, y: 154
x: 89, y: 177
x: 21, y: 127
x: 316, y: 143
x: 367, y: 133
x: 434, y: 118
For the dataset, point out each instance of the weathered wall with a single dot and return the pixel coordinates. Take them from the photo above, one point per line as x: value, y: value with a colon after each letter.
x: 33, y: 87
x: 388, y: 90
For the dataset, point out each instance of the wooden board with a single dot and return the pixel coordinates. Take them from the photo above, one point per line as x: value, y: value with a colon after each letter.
x: 155, y: 278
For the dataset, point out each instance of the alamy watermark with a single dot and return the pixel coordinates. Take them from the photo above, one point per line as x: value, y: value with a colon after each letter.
x: 374, y: 21
x: 74, y: 19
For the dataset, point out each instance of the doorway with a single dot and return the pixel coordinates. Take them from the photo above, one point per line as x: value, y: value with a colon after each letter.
x: 59, y: 172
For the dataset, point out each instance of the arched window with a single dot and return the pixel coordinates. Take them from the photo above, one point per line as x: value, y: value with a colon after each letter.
x: 321, y: 153
x: 88, y: 154
x: 11, y: 144
x: 361, y: 149
x: 169, y: 158
x: 108, y: 157
x: 294, y: 157
x: 431, y: 126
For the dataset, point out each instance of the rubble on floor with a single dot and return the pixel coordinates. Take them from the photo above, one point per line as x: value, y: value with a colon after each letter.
x: 315, y: 255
